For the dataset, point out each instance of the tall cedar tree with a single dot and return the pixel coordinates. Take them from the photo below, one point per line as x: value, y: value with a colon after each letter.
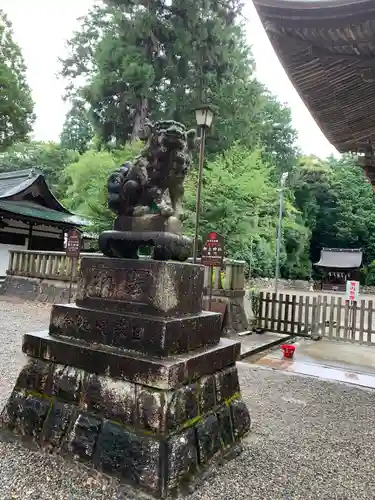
x: 16, y: 104
x: 155, y: 59
x: 77, y: 132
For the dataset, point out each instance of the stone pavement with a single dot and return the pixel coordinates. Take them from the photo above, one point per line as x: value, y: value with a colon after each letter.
x: 255, y: 343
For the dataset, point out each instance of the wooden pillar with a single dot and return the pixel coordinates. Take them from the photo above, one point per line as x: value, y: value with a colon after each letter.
x: 30, y: 236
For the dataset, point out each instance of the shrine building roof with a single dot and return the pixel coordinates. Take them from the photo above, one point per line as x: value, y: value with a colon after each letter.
x: 340, y: 258
x: 327, y: 48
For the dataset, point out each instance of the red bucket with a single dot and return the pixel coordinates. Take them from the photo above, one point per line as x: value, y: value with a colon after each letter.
x: 288, y: 350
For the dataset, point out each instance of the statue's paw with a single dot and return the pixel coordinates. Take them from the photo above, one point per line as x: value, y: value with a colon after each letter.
x: 167, y: 211
x: 139, y: 211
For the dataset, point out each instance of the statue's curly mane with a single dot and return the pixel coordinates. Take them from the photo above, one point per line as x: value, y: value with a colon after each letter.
x: 154, y: 180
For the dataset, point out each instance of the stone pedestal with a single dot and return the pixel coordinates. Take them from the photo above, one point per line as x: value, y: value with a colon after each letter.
x: 134, y: 378
x: 162, y: 235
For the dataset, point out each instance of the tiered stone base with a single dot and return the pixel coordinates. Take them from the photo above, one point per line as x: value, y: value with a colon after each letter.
x: 153, y: 439
x: 154, y: 418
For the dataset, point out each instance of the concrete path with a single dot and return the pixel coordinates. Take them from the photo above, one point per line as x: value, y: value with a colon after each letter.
x: 328, y: 360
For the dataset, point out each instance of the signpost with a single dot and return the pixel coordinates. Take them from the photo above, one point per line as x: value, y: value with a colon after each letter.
x: 212, y: 256
x: 352, y: 295
x: 72, y: 243
x: 352, y: 291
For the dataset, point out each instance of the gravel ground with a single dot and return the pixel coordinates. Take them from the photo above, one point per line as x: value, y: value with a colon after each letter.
x: 311, y: 439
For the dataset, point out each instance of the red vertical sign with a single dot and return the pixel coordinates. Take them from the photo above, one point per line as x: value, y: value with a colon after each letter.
x: 213, y: 250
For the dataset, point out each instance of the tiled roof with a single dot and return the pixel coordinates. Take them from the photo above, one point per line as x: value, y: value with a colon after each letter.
x: 35, y: 211
x: 12, y: 183
x: 327, y: 48
x: 340, y: 258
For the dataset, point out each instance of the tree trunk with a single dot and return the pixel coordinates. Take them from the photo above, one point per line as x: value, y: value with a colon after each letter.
x: 139, y: 119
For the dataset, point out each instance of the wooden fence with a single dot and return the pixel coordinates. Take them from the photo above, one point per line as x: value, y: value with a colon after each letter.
x: 331, y: 316
x: 41, y: 264
x: 57, y: 266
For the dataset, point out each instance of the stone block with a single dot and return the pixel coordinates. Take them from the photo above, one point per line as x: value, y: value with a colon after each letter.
x: 36, y: 376
x: 148, y: 222
x: 82, y: 438
x: 240, y: 418
x: 67, y: 383
x: 10, y: 411
x: 153, y: 439
x: 165, y: 246
x: 208, y: 437
x: 163, y: 412
x: 151, y: 409
x: 227, y: 384
x: 126, y: 365
x: 207, y: 397
x: 135, y: 458
x: 225, y: 422
x: 114, y: 399
x: 183, y: 407
x: 154, y: 336
x: 140, y: 286
x: 57, y: 424
x: 25, y: 414
x: 182, y: 459
x: 31, y: 416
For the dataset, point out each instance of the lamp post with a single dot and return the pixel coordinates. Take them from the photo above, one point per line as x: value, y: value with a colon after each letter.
x: 204, y: 116
x: 278, y: 243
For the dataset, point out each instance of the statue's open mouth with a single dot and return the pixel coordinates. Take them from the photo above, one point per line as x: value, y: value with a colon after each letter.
x: 174, y: 139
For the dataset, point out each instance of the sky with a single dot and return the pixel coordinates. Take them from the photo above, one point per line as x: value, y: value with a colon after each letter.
x: 41, y: 28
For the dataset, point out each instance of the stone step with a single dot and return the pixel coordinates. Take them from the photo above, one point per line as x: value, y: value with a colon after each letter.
x: 160, y: 373
x: 156, y: 336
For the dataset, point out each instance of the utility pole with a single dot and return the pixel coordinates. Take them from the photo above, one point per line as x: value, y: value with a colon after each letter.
x: 279, y: 226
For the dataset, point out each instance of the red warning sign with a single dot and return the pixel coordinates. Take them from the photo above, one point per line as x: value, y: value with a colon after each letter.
x: 213, y: 250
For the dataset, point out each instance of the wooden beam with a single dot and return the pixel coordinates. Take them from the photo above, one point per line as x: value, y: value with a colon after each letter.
x: 304, y: 14
x: 301, y: 48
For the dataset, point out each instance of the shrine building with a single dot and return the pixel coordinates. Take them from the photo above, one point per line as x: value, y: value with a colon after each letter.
x: 31, y: 218
x: 327, y: 48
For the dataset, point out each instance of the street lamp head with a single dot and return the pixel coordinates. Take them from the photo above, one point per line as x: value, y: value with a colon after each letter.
x: 204, y: 115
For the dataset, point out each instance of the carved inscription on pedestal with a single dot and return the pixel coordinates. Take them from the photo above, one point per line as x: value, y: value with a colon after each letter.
x: 117, y: 284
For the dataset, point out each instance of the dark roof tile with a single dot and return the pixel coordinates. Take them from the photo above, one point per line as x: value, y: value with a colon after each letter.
x: 340, y: 258
x: 15, y: 182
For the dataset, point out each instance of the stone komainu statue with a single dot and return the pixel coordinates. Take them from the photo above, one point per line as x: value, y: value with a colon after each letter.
x: 146, y: 195
x: 154, y: 181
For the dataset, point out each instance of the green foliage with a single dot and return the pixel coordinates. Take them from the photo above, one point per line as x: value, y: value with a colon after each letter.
x: 16, y: 105
x: 337, y: 203
x: 86, y: 179
x: 48, y: 157
x: 240, y: 201
x: 143, y: 59
x: 327, y: 204
x: 277, y: 135
x: 368, y: 274
x: 77, y: 132
x: 137, y: 59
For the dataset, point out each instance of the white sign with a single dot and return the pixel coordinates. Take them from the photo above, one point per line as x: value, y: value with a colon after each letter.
x: 352, y: 291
